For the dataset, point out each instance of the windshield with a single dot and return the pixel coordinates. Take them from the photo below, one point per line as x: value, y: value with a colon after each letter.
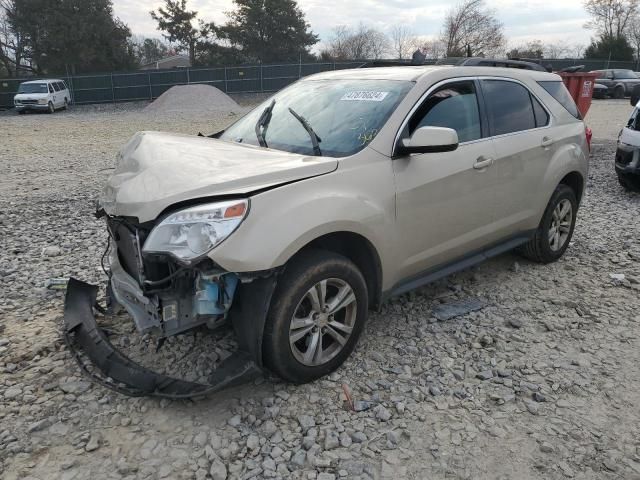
x: 344, y: 115
x: 33, y: 88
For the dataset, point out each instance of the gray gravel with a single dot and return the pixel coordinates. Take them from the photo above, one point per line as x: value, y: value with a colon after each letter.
x: 542, y: 382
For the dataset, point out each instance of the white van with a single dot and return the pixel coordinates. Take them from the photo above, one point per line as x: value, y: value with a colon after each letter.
x: 48, y: 95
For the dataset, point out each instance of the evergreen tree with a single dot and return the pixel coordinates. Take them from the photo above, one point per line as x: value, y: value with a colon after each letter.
x: 608, y: 46
x: 82, y: 35
x: 269, y: 31
x: 178, y: 23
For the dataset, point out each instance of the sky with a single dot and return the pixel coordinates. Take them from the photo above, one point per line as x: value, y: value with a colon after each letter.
x: 557, y: 21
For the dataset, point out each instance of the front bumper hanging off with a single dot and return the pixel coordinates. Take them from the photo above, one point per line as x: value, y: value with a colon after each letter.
x: 112, y: 369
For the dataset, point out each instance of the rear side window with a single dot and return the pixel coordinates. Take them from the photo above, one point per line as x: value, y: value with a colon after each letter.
x: 510, y: 107
x: 558, y: 91
x: 56, y: 86
x: 455, y: 106
x: 542, y: 117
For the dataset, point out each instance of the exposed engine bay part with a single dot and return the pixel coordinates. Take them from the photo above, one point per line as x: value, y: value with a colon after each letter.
x: 87, y: 340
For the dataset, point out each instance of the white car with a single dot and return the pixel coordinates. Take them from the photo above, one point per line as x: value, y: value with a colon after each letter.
x: 628, y: 152
x: 48, y: 95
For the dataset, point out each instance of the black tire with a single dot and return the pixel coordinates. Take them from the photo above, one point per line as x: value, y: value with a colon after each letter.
x: 22, y: 112
x: 66, y: 104
x: 635, y: 95
x: 301, y: 274
x: 618, y: 93
x: 51, y: 108
x: 629, y: 182
x: 539, y: 249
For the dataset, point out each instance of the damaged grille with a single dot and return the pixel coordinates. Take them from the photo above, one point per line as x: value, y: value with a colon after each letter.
x: 129, y: 238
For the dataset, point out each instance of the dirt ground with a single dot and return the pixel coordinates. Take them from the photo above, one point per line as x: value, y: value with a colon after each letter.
x: 543, y: 383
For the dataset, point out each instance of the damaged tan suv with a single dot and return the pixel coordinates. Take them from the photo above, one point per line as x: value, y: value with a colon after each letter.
x: 342, y: 190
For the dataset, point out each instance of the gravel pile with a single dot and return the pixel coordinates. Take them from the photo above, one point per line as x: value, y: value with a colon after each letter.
x: 542, y: 381
x: 191, y: 99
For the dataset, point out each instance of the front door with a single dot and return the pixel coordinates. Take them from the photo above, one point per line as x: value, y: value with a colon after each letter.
x: 445, y: 201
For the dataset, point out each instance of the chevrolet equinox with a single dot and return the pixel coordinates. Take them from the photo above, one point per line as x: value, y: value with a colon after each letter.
x: 340, y: 191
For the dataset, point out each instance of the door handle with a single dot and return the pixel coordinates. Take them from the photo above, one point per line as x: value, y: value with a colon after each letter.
x: 483, y: 162
x: 547, y: 142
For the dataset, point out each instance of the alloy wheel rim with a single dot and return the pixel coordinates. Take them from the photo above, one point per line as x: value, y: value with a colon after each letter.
x: 560, y: 227
x: 323, y: 322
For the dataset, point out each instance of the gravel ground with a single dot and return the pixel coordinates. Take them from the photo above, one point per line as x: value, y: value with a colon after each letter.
x: 544, y: 382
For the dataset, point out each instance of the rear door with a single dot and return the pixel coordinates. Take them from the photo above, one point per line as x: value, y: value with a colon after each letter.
x: 57, y: 95
x: 444, y: 201
x: 520, y: 127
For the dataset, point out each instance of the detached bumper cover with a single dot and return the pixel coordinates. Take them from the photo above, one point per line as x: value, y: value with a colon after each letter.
x: 117, y: 372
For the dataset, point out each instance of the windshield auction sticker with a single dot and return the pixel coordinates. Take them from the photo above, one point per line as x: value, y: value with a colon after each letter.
x: 364, y: 96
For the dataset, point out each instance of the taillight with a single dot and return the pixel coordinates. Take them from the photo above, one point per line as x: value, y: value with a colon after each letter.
x: 589, y: 135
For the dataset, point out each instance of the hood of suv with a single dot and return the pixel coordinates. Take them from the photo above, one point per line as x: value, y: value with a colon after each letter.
x: 155, y: 170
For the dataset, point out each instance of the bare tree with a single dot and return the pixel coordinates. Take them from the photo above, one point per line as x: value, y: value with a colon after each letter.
x: 13, y: 50
x: 403, y: 41
x: 470, y: 28
x: 555, y: 50
x: 576, y: 50
x: 432, y: 48
x: 361, y: 43
x: 610, y: 18
x: 634, y: 35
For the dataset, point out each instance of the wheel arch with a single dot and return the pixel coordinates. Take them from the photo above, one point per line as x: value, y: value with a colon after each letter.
x: 575, y: 181
x: 360, y: 251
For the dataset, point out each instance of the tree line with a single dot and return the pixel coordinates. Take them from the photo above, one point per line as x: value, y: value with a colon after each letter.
x: 59, y: 36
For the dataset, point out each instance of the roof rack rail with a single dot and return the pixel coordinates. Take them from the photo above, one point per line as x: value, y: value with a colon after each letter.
x: 462, y: 62
x: 492, y: 62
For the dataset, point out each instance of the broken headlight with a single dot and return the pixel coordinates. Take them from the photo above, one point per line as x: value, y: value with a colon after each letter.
x: 192, y: 233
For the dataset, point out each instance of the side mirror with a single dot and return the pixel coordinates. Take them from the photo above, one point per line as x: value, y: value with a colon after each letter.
x: 635, y: 95
x: 430, y: 140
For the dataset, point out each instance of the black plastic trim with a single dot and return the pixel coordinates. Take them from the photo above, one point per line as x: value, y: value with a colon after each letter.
x: 441, y: 271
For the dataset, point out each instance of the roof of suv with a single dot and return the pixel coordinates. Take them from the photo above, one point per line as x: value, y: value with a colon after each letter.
x: 42, y: 80
x: 415, y: 73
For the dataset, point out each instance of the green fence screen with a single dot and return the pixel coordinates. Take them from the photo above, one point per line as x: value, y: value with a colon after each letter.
x: 150, y: 84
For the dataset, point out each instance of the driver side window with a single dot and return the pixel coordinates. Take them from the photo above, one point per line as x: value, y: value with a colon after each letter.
x: 454, y: 105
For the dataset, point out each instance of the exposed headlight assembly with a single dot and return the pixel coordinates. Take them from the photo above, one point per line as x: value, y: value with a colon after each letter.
x: 190, y: 234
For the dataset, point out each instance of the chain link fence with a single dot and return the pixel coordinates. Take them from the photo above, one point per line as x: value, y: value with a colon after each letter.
x: 150, y: 84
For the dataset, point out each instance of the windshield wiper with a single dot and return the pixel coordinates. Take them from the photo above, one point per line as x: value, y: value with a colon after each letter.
x: 263, y: 124
x: 315, y: 139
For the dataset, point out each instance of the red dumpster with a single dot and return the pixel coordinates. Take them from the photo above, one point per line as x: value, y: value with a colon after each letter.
x: 580, y: 86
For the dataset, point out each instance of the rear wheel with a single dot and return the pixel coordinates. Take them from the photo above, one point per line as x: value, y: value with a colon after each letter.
x: 317, y: 314
x: 51, y: 108
x: 554, y: 233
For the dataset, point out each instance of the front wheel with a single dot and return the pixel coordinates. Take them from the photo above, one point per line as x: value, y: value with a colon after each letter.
x: 51, y: 108
x: 317, y: 314
x: 554, y: 233
x: 618, y: 93
x: 629, y: 182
